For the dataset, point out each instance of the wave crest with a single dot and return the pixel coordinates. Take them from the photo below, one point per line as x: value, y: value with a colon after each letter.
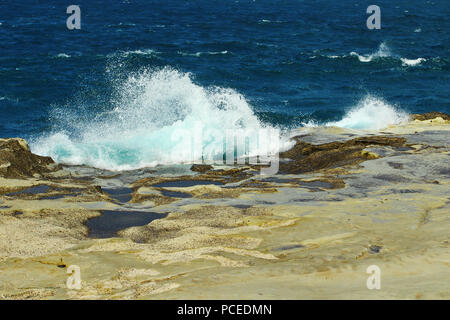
x: 151, y: 111
x: 412, y: 62
x: 382, y: 52
x: 371, y: 113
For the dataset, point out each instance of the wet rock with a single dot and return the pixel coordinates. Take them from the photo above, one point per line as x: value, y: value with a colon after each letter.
x: 17, y: 161
x: 322, y: 184
x: 268, y: 230
x: 308, y: 157
x: 157, y: 199
x: 212, y: 177
x: 430, y: 116
x: 228, y: 175
x: 395, y: 178
x: 395, y: 165
x: 202, y: 168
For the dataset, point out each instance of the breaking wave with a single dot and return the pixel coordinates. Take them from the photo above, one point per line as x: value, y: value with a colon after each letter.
x: 383, y: 52
x: 154, y: 115
x: 412, y: 62
x: 199, y: 54
x: 371, y: 113
x: 62, y: 55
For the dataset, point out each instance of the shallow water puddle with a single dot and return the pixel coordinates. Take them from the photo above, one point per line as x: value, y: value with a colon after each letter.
x: 110, y: 222
x: 175, y: 194
x: 185, y: 183
x: 122, y: 195
x: 33, y: 190
x: 57, y: 197
x: 315, y: 185
x: 278, y: 180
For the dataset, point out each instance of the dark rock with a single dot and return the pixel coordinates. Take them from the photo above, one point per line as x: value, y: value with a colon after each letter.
x: 202, y: 168
x: 308, y: 157
x: 17, y: 161
x: 395, y: 165
x: 430, y: 116
x: 375, y: 249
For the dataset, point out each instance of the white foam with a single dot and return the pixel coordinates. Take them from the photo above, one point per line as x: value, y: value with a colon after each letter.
x: 311, y: 124
x: 199, y: 54
x: 154, y: 112
x: 383, y: 51
x: 15, y: 100
x: 412, y: 62
x: 62, y: 55
x: 371, y: 113
x: 125, y: 54
x: 141, y: 52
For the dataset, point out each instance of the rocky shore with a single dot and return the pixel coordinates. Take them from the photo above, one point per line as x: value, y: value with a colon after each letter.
x: 343, y: 200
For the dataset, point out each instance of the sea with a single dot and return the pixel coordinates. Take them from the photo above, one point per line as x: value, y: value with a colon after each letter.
x: 124, y: 89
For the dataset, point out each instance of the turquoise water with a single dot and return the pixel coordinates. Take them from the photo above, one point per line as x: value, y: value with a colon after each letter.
x: 121, y: 92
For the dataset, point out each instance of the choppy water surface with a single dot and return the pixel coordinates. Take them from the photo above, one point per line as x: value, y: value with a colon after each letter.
x: 113, y: 94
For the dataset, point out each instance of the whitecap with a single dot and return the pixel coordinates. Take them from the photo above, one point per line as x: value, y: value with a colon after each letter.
x: 412, y: 62
x: 62, y: 55
x: 156, y: 116
x: 199, y: 54
x: 14, y: 100
x: 139, y: 52
x: 382, y: 52
x: 371, y: 113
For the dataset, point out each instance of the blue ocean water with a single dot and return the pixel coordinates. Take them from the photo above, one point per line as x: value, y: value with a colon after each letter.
x: 111, y: 93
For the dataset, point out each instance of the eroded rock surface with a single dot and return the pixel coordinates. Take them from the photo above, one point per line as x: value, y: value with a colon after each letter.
x: 308, y: 157
x: 431, y: 116
x: 343, y: 200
